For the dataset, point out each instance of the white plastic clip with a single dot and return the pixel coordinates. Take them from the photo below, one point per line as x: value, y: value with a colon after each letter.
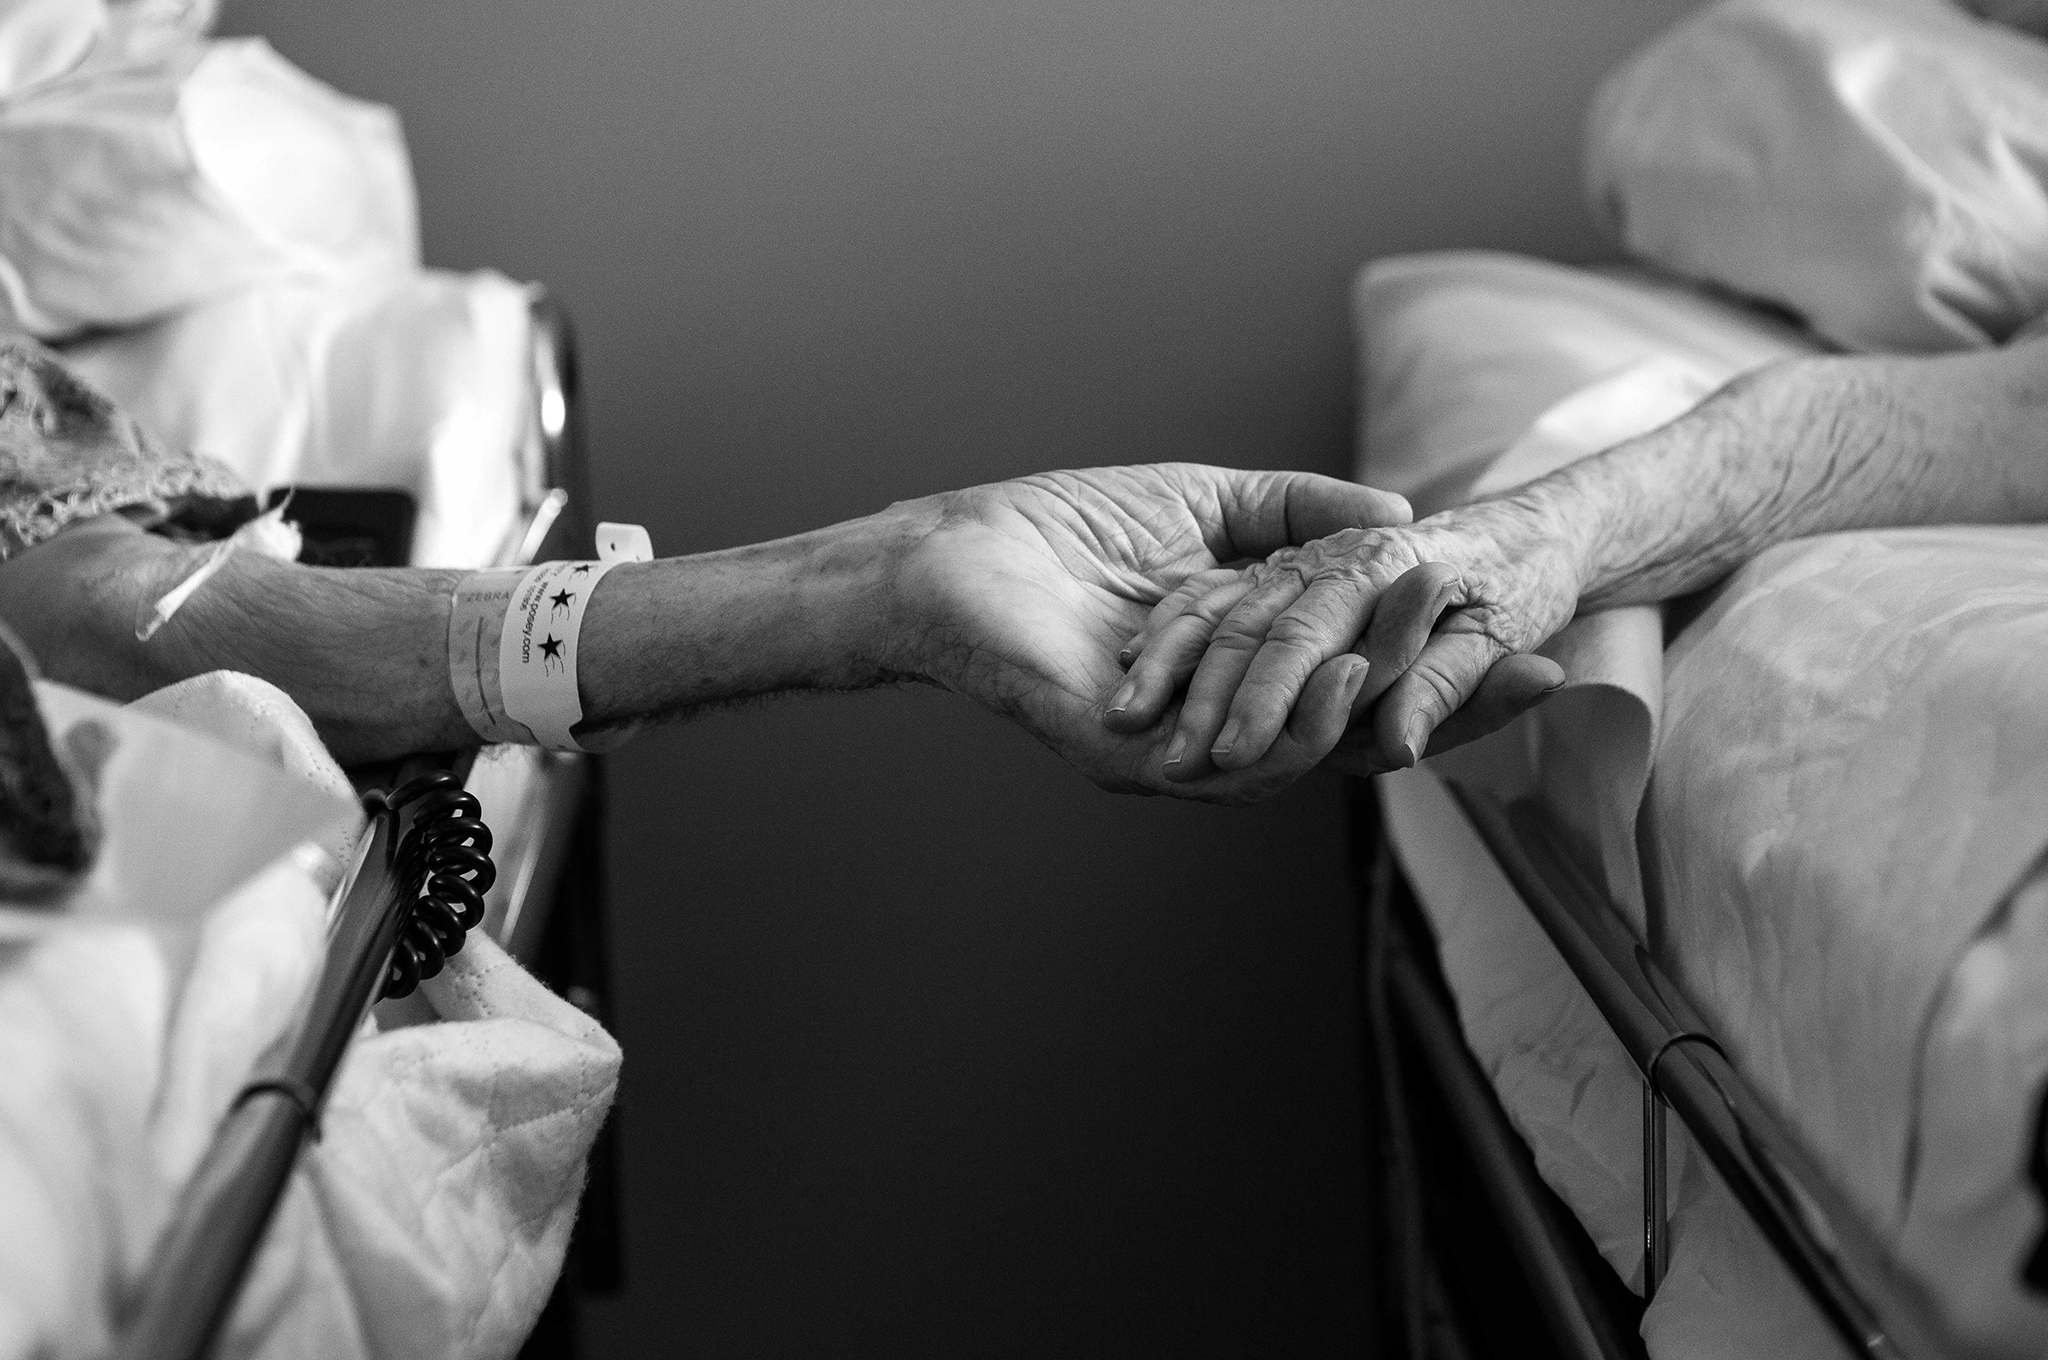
x: 623, y: 543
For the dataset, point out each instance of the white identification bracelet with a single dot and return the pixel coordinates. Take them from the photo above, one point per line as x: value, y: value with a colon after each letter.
x: 513, y: 637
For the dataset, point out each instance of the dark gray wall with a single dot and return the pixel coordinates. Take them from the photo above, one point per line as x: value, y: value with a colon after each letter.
x: 932, y: 1048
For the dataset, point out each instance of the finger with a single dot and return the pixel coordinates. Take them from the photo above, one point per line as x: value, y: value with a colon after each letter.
x: 1258, y: 513
x: 1232, y: 646
x: 1176, y: 602
x: 1317, y: 726
x: 1403, y: 619
x: 1169, y: 658
x: 1321, y: 625
x: 1446, y: 673
x: 1318, y: 720
x: 1511, y: 688
x: 1513, y: 685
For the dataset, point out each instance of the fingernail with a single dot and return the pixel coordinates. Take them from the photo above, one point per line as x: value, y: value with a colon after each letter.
x: 1125, y: 656
x: 1357, y: 679
x: 1121, y: 700
x: 1176, y: 749
x: 1226, y: 739
x: 1413, y: 740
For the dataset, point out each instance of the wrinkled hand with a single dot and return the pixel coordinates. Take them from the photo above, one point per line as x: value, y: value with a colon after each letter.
x: 1021, y: 594
x: 1445, y: 611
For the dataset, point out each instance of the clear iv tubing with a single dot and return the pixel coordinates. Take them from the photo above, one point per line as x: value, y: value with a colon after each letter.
x: 158, y: 613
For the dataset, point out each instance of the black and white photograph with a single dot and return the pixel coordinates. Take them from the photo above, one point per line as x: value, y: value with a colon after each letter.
x: 745, y: 679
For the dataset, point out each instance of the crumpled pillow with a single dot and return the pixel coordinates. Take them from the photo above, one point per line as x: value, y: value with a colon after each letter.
x: 1880, y: 167
x: 139, y: 188
x: 422, y: 381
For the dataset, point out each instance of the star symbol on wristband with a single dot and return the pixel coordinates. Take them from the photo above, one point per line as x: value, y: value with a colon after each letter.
x: 562, y: 599
x: 550, y: 651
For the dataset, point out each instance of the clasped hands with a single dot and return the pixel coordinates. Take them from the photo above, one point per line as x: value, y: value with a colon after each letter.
x: 1216, y: 634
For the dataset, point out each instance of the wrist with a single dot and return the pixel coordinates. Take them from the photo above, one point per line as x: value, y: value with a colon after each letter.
x: 841, y: 593
x: 1551, y: 524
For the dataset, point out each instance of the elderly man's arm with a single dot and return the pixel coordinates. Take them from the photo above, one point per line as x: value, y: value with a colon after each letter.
x: 1805, y: 447
x: 1017, y: 595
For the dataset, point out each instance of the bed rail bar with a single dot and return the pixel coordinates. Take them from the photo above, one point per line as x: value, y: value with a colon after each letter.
x: 217, y: 1223
x: 1538, y: 1228
x: 220, y: 1215
x: 1819, y: 1236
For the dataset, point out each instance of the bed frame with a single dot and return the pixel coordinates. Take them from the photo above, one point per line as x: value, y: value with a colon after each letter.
x: 1422, y: 1080
x: 547, y: 908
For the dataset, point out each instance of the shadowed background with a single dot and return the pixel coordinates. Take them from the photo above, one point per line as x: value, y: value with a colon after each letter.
x: 933, y: 1049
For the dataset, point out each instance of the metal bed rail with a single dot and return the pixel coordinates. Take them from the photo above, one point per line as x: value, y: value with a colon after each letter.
x: 218, y: 1220
x: 197, y: 1269
x: 1872, y: 1307
x: 1588, y: 1312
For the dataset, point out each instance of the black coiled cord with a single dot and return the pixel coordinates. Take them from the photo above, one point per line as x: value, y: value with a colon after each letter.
x: 444, y: 865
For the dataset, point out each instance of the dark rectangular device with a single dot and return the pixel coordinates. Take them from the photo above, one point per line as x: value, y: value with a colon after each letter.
x: 351, y: 526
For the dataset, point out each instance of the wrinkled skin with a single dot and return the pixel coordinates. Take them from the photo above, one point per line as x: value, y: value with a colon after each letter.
x: 1445, y: 611
x: 1036, y: 584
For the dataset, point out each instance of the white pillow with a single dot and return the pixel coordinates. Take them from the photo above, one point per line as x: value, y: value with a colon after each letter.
x: 46, y: 40
x: 1878, y: 166
x: 139, y: 189
x: 1463, y: 351
x: 420, y: 381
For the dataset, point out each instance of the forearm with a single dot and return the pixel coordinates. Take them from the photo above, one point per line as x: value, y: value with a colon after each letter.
x: 1806, y: 447
x: 365, y: 652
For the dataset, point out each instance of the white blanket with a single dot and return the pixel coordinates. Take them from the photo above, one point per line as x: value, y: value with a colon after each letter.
x: 431, y: 1217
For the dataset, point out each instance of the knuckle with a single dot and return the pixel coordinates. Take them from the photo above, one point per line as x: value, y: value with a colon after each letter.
x: 1439, y: 691
x: 1235, y: 635
x: 1493, y: 622
x: 1294, y: 632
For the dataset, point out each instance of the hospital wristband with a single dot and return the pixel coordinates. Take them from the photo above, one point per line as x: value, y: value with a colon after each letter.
x: 513, y: 643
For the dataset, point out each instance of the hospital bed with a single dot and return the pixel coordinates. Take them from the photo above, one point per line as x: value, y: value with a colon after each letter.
x: 1704, y: 1004
x: 545, y: 903
x: 1419, y: 1057
x: 229, y: 249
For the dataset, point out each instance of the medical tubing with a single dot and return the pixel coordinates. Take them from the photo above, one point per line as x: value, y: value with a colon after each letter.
x: 444, y: 866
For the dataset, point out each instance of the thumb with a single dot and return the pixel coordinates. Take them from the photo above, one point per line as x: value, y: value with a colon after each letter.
x: 1263, y: 512
x: 1515, y: 684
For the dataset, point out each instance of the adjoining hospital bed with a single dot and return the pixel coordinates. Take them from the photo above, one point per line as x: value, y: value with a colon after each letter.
x: 1706, y: 1004
x: 228, y: 248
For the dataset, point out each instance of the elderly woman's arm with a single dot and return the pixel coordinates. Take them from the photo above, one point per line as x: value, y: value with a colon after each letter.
x: 1800, y: 448
x: 1016, y: 594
